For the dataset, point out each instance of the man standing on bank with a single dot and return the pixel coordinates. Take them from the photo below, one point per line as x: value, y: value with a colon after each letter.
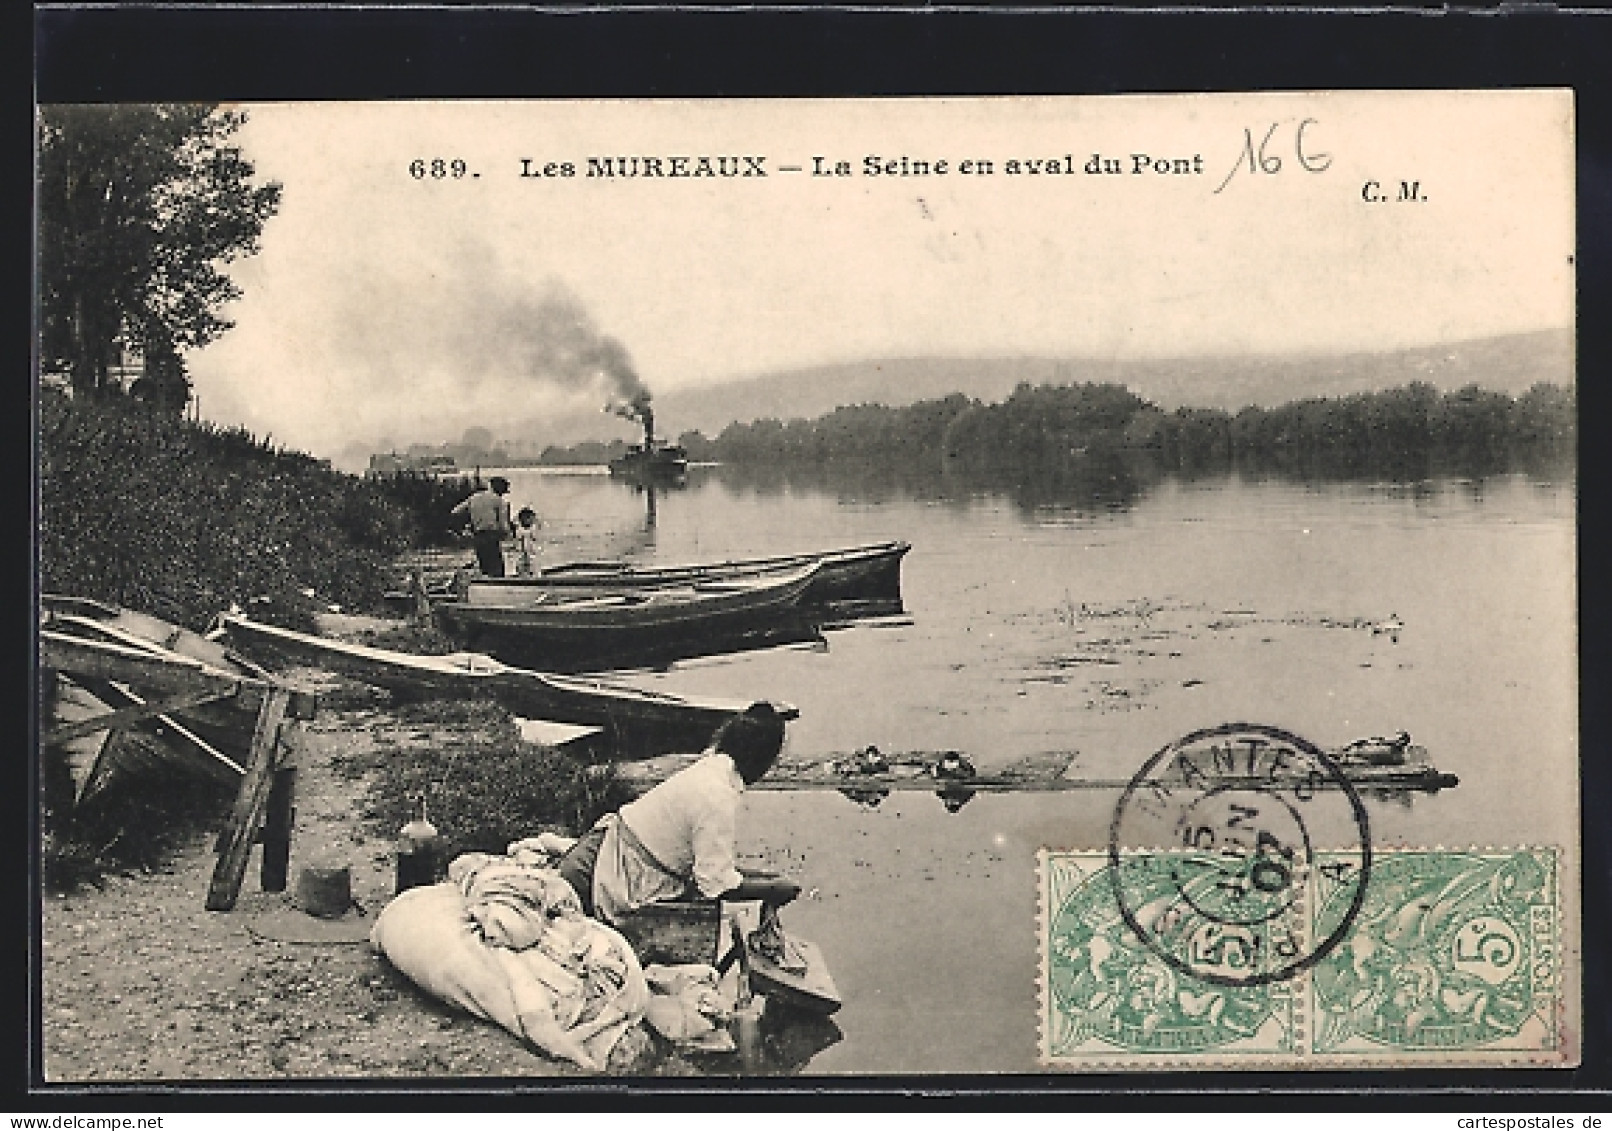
x: 677, y: 840
x: 488, y: 511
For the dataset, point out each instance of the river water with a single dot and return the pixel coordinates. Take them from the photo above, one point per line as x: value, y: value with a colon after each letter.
x: 1100, y: 632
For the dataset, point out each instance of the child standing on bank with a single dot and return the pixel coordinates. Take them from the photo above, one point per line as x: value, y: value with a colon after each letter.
x: 526, y: 544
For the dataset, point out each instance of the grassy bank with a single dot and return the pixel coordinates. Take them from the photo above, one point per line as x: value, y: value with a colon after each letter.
x: 482, y: 786
x: 184, y: 519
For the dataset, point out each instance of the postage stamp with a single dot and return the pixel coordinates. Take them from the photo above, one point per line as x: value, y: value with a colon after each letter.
x: 1452, y: 957
x: 1451, y: 953
x: 1110, y: 999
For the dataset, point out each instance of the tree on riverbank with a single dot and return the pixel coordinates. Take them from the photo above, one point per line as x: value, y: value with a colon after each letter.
x: 140, y: 208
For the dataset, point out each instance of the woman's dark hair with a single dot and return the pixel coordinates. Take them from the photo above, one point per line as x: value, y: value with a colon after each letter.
x: 752, y: 739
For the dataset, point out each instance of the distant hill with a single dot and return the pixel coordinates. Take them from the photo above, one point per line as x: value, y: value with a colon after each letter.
x: 1509, y: 364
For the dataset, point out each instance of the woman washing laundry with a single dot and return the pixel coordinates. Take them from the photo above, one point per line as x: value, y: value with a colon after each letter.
x: 677, y: 841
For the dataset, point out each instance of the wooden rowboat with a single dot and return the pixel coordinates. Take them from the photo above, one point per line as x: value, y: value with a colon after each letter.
x: 137, y: 657
x: 140, y: 669
x: 630, y: 628
x: 640, y: 722
x: 870, y: 573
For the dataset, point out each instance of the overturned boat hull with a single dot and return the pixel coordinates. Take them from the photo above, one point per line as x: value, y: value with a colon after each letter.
x: 102, y: 659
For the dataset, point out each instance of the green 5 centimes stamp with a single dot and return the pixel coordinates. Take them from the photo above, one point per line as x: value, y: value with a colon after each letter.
x: 1454, y: 957
x: 1111, y: 1000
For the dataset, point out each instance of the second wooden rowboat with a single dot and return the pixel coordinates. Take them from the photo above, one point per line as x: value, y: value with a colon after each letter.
x: 631, y: 628
x: 641, y: 722
x: 870, y: 573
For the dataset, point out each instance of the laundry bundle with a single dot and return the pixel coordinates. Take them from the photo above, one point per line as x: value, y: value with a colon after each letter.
x: 505, y: 939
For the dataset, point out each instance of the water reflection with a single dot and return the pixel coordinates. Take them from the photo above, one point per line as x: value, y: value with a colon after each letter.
x: 1107, y: 480
x: 770, y: 1038
x: 650, y: 489
x: 1223, y: 594
x: 1251, y: 592
x: 1087, y: 484
x: 849, y: 482
x: 867, y: 798
x: 783, y: 1040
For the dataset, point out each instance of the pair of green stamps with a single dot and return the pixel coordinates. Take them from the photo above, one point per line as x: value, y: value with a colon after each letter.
x: 1443, y: 957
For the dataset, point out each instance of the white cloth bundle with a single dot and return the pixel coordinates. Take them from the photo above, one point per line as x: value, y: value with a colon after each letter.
x: 572, y: 991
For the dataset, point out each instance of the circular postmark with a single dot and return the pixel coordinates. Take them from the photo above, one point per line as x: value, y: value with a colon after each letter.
x: 1213, y: 847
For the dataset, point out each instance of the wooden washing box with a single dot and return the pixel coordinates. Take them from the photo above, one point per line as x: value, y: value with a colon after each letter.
x: 675, y: 932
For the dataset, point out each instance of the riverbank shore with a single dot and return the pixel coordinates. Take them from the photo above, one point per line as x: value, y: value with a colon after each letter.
x: 141, y: 984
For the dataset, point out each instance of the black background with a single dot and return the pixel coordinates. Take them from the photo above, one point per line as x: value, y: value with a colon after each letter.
x: 269, y: 53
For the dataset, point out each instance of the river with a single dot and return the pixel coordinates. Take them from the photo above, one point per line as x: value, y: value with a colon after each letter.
x: 1102, y: 631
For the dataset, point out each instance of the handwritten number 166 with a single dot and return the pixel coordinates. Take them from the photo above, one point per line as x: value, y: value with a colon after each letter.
x: 1261, y: 160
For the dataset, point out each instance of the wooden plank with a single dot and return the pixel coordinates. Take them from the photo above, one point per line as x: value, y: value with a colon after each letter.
x: 99, y: 659
x: 249, y: 802
x: 160, y: 635
x: 813, y: 989
x: 78, y: 606
x: 161, y: 638
x: 127, y: 716
x: 170, y: 727
x: 109, y: 762
x: 152, y: 670
x: 279, y: 817
x: 167, y: 726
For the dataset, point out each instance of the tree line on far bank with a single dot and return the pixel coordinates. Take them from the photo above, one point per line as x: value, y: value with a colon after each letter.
x: 1407, y: 430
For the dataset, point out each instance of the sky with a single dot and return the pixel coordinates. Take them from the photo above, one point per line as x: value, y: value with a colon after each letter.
x: 390, y: 306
